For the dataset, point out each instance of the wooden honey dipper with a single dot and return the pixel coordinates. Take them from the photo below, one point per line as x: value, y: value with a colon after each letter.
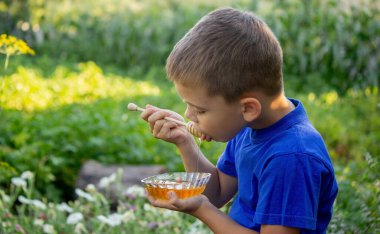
x: 189, y: 125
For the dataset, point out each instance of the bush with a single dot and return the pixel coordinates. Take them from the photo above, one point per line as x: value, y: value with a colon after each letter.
x: 55, y: 115
x: 333, y: 42
x: 357, y: 206
x: 56, y: 123
x: 91, y: 212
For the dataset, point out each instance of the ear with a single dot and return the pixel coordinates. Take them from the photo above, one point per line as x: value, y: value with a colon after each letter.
x: 250, y: 108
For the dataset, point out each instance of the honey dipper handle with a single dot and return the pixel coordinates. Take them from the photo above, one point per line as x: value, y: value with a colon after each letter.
x: 134, y: 107
x: 176, y: 121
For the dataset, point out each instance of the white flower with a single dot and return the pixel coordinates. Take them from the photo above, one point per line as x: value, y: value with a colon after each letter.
x: 149, y: 208
x: 120, y: 171
x: 83, y: 194
x: 48, y: 229
x: 39, y: 204
x: 106, y: 181
x: 24, y: 200
x: 5, y: 197
x: 112, y: 177
x: 74, y: 218
x: 128, y: 216
x: 19, y: 182
x: 79, y: 228
x: 112, y: 220
x: 38, y: 222
x: 135, y: 190
x: 64, y: 207
x: 91, y: 188
x: 27, y: 175
x: 168, y: 213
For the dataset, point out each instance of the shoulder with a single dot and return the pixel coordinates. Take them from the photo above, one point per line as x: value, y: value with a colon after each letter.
x: 296, y: 160
x: 302, y: 144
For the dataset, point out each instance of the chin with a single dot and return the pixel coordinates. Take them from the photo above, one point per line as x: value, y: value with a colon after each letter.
x: 221, y: 139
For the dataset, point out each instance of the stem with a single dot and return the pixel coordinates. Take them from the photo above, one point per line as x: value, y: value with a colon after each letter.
x: 6, y: 61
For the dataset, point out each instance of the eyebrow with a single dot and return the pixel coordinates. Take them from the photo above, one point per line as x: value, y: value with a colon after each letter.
x: 191, y: 104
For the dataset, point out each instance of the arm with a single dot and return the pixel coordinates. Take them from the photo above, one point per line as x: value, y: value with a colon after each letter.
x: 221, y: 187
x: 202, y: 209
x: 215, y: 219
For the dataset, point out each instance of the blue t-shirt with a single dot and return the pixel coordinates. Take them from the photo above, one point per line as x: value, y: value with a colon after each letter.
x: 285, y: 175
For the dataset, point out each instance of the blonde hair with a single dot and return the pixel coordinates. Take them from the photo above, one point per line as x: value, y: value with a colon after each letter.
x: 230, y: 52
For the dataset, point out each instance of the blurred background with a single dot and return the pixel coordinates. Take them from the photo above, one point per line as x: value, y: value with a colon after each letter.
x: 67, y: 103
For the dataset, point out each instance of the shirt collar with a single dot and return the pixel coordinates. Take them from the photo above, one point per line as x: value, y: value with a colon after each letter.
x: 295, y: 116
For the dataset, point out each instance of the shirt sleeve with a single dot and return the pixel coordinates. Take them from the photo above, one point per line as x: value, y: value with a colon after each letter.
x: 289, y: 190
x: 226, y: 162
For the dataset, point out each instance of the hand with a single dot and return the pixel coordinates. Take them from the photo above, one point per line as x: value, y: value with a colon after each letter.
x: 188, y: 205
x: 165, y: 129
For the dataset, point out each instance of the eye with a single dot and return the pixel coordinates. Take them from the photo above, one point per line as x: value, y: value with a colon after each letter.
x: 199, y: 112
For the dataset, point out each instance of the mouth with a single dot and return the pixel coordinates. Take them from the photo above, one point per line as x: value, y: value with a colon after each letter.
x: 205, y: 137
x: 195, y: 131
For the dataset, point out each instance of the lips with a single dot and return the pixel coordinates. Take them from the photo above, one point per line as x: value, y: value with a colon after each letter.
x: 204, y: 136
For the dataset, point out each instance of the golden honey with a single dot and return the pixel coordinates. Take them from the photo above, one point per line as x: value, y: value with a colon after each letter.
x: 162, y: 193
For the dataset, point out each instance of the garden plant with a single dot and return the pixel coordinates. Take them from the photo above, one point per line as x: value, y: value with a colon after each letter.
x: 68, y: 104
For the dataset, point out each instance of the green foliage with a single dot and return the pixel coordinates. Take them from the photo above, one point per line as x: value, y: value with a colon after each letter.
x: 91, y: 212
x: 357, y: 206
x: 347, y: 124
x: 78, y: 112
x: 7, y: 171
x: 331, y: 41
x: 126, y: 33
x: 55, y: 123
x: 349, y: 127
x: 56, y: 112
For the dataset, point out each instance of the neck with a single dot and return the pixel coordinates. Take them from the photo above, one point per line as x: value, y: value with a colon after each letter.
x: 272, y: 110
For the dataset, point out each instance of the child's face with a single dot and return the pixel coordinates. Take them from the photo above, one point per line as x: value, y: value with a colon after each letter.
x: 211, y: 115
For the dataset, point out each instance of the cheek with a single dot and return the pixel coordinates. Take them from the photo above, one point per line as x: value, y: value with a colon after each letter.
x: 213, y: 127
x: 224, y: 129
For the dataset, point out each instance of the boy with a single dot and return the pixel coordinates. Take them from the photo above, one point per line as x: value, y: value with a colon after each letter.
x: 228, y: 70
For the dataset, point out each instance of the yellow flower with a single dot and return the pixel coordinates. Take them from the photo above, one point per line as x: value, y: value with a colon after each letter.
x: 10, y: 45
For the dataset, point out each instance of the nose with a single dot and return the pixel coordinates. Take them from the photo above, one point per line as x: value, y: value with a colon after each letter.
x: 190, y: 114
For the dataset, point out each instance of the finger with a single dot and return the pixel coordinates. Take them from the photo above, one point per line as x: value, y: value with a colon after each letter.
x: 158, y: 114
x: 148, y: 106
x: 154, y: 117
x: 148, y: 112
x: 156, y: 131
x: 161, y: 203
x: 174, y: 200
x: 167, y: 129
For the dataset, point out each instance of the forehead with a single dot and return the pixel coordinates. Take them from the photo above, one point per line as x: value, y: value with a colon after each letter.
x: 198, y: 96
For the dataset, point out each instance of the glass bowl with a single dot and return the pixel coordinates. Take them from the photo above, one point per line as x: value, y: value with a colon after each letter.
x: 184, y: 184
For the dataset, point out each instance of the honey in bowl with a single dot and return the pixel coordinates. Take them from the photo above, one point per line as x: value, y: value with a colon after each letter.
x: 184, y: 184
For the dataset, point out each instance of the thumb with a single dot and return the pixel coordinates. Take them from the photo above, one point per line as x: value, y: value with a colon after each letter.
x: 150, y: 106
x: 173, y: 198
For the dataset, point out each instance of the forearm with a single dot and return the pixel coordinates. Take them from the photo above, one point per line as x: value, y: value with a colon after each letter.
x: 193, y: 158
x: 218, y: 221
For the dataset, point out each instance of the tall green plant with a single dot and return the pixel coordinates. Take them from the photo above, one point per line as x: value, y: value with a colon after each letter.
x: 334, y: 40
